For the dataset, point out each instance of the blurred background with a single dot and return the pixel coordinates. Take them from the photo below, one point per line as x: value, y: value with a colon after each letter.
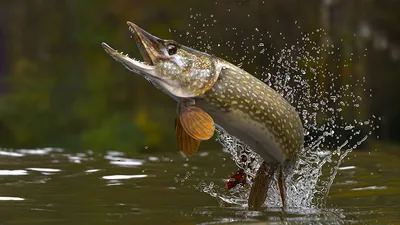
x: 59, y: 88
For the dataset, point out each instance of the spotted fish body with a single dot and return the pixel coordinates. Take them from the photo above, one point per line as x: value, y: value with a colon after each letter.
x: 255, y: 113
x: 212, y: 91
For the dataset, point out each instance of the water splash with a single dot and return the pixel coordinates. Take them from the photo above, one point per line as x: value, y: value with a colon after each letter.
x: 325, y: 99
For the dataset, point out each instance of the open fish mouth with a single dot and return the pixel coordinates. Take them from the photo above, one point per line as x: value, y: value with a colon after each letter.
x: 150, y: 47
x: 131, y: 64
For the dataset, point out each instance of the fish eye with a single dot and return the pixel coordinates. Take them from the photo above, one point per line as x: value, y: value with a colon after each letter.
x: 172, y: 49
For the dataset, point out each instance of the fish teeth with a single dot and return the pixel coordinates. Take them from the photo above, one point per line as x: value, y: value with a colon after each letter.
x: 127, y: 55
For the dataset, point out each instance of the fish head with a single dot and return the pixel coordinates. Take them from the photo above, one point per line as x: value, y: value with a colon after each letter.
x: 180, y: 71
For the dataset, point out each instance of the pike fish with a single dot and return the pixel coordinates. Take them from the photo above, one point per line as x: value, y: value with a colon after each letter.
x: 210, y: 92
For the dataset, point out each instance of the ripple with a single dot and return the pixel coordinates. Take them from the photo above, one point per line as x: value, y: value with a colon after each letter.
x: 12, y: 154
x: 114, y: 183
x: 79, y: 157
x: 11, y: 199
x: 126, y: 162
x: 124, y: 177
x: 203, y: 154
x: 153, y: 159
x: 13, y: 172
x: 49, y: 170
x: 92, y: 170
x: 117, y: 159
x: 76, y: 158
x: 369, y: 188
x: 114, y: 153
x: 346, y: 182
x: 347, y: 168
x: 43, y: 151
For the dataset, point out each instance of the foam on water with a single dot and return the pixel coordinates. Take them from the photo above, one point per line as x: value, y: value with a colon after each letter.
x: 303, y: 75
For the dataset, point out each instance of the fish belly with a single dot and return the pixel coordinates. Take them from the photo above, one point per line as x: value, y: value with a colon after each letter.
x: 250, y: 132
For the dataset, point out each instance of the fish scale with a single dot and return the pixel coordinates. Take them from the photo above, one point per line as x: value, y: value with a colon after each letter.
x: 240, y: 93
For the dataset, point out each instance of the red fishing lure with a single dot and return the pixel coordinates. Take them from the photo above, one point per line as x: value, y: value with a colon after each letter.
x: 238, y: 178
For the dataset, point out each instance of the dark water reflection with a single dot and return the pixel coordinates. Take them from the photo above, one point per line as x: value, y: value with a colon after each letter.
x: 52, y: 186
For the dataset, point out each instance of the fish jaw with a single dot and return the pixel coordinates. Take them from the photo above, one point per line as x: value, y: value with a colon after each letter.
x: 131, y: 64
x: 151, y: 50
x: 149, y: 45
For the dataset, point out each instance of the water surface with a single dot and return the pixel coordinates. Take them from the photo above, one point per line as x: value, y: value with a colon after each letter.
x: 54, y: 186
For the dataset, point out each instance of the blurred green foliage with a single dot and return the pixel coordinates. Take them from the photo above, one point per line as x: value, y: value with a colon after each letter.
x: 60, y: 89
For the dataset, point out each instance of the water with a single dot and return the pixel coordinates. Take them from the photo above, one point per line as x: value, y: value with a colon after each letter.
x: 54, y: 186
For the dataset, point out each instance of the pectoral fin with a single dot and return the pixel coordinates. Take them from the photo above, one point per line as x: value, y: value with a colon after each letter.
x: 186, y: 143
x: 196, y: 123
